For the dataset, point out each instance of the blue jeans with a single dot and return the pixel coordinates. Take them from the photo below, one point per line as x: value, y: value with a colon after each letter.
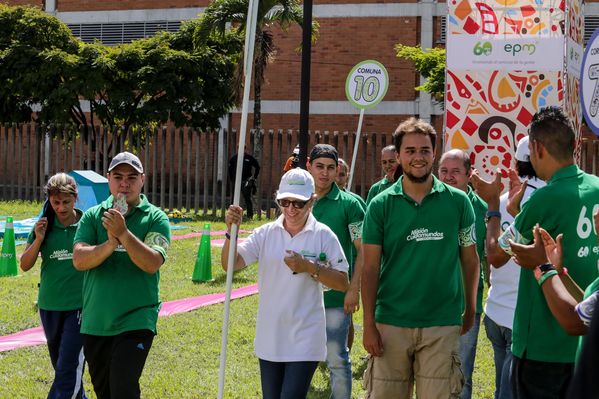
x: 501, y: 339
x: 65, y: 345
x: 338, y: 352
x: 286, y: 380
x: 468, y: 343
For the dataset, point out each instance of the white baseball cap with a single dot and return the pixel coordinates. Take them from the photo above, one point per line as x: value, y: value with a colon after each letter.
x: 296, y: 183
x: 522, y: 152
x: 127, y: 158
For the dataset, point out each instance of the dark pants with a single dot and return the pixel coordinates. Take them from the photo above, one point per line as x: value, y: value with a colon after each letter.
x: 540, y: 380
x: 65, y: 344
x: 246, y: 191
x: 286, y: 380
x: 116, y: 362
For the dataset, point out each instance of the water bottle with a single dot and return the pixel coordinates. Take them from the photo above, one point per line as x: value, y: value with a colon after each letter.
x: 324, y: 264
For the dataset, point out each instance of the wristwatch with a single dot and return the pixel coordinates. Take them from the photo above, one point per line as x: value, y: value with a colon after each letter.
x: 546, y: 267
x: 492, y: 214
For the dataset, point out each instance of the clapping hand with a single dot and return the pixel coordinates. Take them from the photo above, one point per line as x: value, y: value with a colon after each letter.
x: 530, y: 256
x: 489, y: 191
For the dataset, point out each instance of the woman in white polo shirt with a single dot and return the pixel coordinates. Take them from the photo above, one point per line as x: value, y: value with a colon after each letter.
x: 290, y: 328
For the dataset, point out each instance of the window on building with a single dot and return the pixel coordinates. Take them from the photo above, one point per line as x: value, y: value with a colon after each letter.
x: 591, y: 22
x: 119, y: 33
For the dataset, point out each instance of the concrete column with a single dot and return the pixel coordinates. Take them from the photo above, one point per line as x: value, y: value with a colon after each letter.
x: 50, y: 6
x: 427, y: 11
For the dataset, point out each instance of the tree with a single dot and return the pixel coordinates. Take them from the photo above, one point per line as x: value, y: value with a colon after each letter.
x: 282, y: 13
x: 429, y: 63
x: 37, y: 55
x: 164, y: 78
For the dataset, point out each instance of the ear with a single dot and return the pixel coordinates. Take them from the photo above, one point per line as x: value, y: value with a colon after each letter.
x: 539, y: 148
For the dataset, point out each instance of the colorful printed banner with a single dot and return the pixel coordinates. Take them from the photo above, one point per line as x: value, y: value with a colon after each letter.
x: 488, y: 110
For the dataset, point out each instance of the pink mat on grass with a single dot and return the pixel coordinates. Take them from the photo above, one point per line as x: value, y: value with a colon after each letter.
x: 198, y: 234
x: 35, y: 336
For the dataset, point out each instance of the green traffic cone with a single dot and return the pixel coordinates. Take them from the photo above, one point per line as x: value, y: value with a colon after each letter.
x: 8, y: 256
x: 202, y: 271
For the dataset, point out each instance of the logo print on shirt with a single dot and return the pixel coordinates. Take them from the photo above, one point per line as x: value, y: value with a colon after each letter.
x: 423, y: 234
x: 61, y: 254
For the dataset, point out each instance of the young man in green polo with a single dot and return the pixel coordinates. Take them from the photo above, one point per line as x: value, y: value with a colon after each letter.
x: 455, y: 169
x: 344, y: 214
x: 389, y: 164
x: 419, y: 245
x: 121, y: 245
x: 543, y: 352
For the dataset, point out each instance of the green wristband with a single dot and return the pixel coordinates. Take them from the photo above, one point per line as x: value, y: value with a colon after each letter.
x: 545, y: 276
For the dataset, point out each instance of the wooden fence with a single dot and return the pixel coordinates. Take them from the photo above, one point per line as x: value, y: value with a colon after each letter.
x: 186, y: 169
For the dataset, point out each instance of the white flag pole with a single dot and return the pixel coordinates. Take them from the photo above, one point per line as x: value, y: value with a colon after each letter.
x: 250, y: 35
x: 355, y: 154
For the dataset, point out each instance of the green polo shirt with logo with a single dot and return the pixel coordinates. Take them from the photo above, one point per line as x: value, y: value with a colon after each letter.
x: 480, y: 212
x: 565, y: 205
x: 420, y: 281
x: 117, y: 295
x: 344, y: 214
x: 60, y: 283
x: 378, y: 188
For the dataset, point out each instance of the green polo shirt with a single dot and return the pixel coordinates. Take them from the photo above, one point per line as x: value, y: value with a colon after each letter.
x: 60, y: 283
x: 565, y: 205
x: 378, y: 188
x: 480, y: 212
x: 344, y: 214
x: 420, y: 281
x: 356, y: 196
x: 117, y: 295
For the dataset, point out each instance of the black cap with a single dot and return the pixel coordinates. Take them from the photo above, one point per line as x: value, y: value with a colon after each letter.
x: 324, y: 151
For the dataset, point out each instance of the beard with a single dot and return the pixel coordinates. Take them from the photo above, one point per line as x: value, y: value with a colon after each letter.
x: 418, y: 179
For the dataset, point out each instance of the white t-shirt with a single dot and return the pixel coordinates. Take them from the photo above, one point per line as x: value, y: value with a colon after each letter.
x: 502, y: 296
x: 291, y: 319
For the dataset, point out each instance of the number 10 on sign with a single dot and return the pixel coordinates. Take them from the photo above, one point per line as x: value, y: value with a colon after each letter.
x: 365, y: 87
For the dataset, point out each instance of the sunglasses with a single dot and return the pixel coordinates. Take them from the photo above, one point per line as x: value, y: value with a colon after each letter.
x: 285, y: 203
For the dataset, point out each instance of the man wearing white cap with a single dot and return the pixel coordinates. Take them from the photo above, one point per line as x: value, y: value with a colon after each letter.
x: 290, y: 327
x: 121, y: 244
x: 503, y: 291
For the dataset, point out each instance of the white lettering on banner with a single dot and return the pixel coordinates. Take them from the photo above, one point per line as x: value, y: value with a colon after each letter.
x: 423, y: 234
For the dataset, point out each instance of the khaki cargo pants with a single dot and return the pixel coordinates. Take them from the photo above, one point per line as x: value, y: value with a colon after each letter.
x: 425, y: 356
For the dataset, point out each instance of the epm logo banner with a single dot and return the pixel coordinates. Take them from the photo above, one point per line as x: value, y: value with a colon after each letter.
x: 476, y: 52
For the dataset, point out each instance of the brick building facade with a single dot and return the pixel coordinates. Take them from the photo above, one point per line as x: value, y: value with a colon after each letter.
x: 350, y: 31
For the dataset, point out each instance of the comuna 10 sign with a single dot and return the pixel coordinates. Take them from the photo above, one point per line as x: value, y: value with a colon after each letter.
x: 366, y: 84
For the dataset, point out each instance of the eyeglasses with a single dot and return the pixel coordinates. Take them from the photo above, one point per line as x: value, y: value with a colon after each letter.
x: 285, y: 203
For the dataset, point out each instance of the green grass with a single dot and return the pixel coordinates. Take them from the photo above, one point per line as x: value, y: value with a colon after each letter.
x: 184, y: 360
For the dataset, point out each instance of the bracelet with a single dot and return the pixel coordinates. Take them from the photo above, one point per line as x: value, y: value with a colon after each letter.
x: 227, y: 235
x: 545, y: 276
x: 492, y: 214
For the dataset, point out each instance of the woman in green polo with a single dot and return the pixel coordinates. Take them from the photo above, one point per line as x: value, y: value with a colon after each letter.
x: 60, y: 288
